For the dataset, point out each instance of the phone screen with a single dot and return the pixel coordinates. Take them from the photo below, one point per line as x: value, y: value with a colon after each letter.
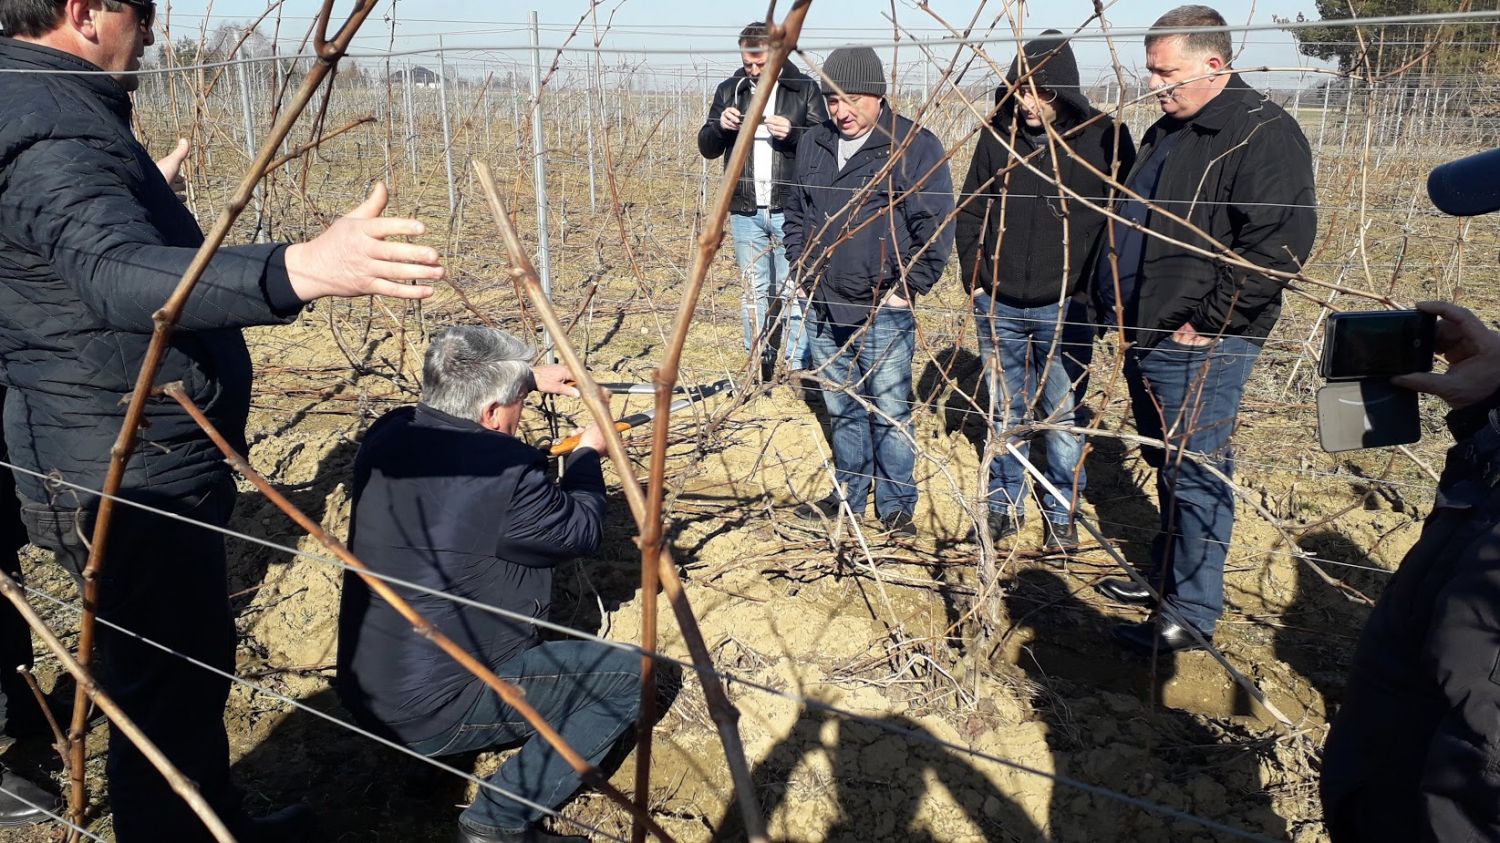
x: 1378, y: 344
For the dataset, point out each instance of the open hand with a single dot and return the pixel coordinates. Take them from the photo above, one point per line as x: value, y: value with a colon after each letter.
x: 171, y: 168
x: 354, y: 258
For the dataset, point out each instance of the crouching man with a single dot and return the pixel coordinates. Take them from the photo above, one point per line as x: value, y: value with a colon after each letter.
x: 447, y: 498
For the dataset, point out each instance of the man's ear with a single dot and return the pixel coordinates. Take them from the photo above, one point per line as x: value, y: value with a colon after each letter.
x: 490, y: 418
x: 1215, y: 63
x: 78, y: 15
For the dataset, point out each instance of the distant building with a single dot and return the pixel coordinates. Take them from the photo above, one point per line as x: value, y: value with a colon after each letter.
x: 421, y: 77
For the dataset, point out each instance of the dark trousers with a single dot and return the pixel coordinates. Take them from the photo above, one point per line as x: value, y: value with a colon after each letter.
x: 18, y: 709
x: 165, y: 580
x: 1189, y: 397
x: 588, y: 692
x: 1414, y: 752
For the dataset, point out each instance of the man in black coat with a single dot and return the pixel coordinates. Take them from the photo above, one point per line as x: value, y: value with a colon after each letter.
x: 447, y: 498
x: 1024, y: 244
x: 92, y: 242
x: 1236, y: 167
x: 1414, y: 751
x: 867, y: 230
x: 756, y: 212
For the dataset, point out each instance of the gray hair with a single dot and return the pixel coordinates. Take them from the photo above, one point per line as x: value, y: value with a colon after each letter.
x: 468, y: 367
x: 1197, y: 43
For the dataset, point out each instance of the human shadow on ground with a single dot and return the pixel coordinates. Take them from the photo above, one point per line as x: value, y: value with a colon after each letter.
x: 1069, y: 661
x: 952, y: 387
x: 361, y: 789
x: 255, y: 515
x: 878, y: 779
x: 357, y: 787
x: 1122, y: 510
x: 1320, y: 627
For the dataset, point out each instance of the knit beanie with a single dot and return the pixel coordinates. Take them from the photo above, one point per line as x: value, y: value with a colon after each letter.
x: 854, y: 70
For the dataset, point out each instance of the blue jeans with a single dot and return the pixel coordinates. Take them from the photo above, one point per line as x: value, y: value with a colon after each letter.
x: 1036, y: 363
x: 762, y: 261
x: 588, y: 692
x: 872, y: 361
x: 1189, y: 397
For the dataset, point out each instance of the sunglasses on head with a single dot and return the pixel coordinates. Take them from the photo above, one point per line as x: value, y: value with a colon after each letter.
x: 145, y: 11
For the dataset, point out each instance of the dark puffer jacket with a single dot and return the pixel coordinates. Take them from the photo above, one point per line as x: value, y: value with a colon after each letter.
x: 444, y: 503
x: 92, y: 242
x: 798, y: 99
x: 1048, y: 237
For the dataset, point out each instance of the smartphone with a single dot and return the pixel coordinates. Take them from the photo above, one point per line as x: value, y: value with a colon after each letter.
x: 1367, y: 414
x: 1377, y: 344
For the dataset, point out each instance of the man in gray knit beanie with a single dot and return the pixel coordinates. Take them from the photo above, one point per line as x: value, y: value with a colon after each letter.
x: 864, y: 256
x: 854, y: 70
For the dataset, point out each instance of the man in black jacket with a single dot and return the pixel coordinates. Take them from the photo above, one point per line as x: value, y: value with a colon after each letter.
x: 867, y: 232
x: 756, y: 212
x: 1024, y: 245
x: 92, y: 242
x: 1414, y: 751
x: 447, y: 498
x: 1238, y: 169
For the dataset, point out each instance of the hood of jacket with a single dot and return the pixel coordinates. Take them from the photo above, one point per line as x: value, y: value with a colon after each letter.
x: 1053, y: 68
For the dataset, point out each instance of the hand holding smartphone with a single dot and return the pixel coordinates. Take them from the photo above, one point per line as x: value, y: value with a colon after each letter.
x: 1360, y: 407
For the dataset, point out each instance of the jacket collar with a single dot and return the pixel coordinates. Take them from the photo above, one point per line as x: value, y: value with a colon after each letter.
x: 28, y: 56
x: 427, y: 416
x: 1235, y: 97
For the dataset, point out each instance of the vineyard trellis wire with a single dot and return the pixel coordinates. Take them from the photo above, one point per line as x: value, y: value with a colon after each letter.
x: 1395, y: 127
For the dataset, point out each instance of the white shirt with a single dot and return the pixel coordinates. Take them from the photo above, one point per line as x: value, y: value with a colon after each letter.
x: 762, y: 162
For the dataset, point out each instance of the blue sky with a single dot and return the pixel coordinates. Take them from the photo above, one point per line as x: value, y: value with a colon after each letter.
x: 701, y: 34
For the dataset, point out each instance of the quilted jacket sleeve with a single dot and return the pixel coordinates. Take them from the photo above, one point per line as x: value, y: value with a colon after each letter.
x: 927, y: 212
x: 70, y: 202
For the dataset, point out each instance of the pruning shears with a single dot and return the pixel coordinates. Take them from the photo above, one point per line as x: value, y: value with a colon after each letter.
x: 694, y: 395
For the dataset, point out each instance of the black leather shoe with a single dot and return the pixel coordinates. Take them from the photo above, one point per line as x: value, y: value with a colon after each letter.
x: 1060, y: 537
x: 898, y: 525
x: 1129, y: 592
x: 1158, y: 635
x: 23, y: 803
x: 1002, y: 525
x: 818, y: 511
x: 292, y: 824
x: 535, y: 834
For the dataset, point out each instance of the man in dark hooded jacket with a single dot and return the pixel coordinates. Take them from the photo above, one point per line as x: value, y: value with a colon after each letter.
x: 756, y: 212
x: 1025, y: 234
x: 92, y: 242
